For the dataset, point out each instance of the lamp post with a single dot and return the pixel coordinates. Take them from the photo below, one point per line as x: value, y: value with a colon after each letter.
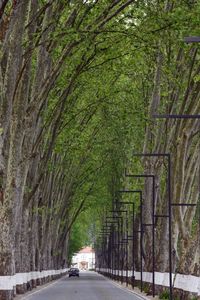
x: 169, y: 215
x: 124, y: 242
x: 108, y: 228
x: 188, y: 40
x: 133, y: 236
x: 152, y: 222
x: 120, y: 230
x: 104, y: 233
x: 112, y: 260
x: 191, y: 39
x: 127, y: 238
x: 117, y: 244
x: 180, y: 116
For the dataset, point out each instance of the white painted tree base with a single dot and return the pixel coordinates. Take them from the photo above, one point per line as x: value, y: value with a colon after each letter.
x: 187, y: 283
x: 10, y: 282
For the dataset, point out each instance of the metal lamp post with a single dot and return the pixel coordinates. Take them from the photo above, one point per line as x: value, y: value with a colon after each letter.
x: 169, y: 215
x: 152, y: 223
x: 133, y: 236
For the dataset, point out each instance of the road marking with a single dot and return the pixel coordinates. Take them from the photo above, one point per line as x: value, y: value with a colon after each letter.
x: 26, y: 296
x: 41, y: 289
x: 128, y: 291
x: 124, y: 289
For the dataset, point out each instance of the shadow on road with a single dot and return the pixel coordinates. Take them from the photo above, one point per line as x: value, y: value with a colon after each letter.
x: 86, y: 276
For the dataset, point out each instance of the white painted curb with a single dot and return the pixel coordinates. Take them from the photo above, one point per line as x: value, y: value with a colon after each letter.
x: 9, y: 282
x: 187, y: 283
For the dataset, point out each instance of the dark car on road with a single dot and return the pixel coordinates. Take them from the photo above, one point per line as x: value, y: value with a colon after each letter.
x: 73, y: 272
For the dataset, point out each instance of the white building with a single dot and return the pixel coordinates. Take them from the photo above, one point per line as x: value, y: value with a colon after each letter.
x: 84, y: 259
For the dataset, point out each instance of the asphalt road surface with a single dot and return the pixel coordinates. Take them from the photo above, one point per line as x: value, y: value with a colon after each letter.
x: 89, y: 286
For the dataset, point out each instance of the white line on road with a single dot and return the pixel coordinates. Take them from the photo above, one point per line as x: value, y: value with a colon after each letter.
x: 40, y: 289
x: 125, y: 289
x: 107, y: 279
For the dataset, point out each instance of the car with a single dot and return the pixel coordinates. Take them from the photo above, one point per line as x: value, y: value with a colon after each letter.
x: 73, y: 272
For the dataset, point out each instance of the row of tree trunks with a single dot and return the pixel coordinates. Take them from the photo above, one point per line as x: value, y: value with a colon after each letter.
x: 37, y: 79
x: 179, y: 138
x: 26, y: 240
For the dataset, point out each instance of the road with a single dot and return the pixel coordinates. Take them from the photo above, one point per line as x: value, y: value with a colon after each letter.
x: 89, y: 286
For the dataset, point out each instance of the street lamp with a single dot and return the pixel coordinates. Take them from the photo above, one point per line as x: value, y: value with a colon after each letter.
x: 153, y: 222
x: 133, y: 236
x: 191, y: 39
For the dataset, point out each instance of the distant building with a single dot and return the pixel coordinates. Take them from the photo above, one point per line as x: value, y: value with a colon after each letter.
x: 84, y: 259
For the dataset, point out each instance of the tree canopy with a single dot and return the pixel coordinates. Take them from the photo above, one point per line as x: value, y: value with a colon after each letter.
x: 80, y: 84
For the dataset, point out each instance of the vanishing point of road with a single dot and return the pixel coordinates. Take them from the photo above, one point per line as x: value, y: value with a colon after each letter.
x: 89, y: 286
